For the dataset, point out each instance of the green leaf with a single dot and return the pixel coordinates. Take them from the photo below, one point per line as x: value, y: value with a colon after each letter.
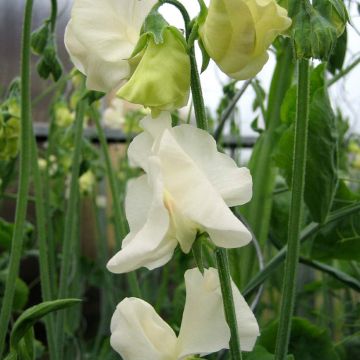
x: 307, y: 341
x: 29, y: 317
x: 21, y: 295
x: 322, y: 158
x: 337, y: 58
x: 340, y: 240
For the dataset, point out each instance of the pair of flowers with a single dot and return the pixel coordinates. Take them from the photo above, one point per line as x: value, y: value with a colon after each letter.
x: 188, y: 186
x: 187, y: 189
x: 126, y: 46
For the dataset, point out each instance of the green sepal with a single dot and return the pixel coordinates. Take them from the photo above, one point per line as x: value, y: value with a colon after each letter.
x: 49, y: 63
x: 155, y: 25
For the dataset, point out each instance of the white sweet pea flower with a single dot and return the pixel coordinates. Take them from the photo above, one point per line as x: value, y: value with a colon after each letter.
x: 101, y: 36
x: 138, y: 332
x: 188, y: 188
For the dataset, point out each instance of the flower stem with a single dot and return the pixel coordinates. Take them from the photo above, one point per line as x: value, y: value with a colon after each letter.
x: 25, y: 158
x: 296, y: 210
x: 53, y: 15
x: 221, y: 255
x: 69, y: 239
x: 120, y: 229
x: 229, y: 308
x: 45, y: 270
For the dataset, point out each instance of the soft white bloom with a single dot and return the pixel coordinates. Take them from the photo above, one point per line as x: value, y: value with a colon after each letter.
x: 138, y: 332
x: 188, y: 188
x: 114, y: 115
x: 101, y: 37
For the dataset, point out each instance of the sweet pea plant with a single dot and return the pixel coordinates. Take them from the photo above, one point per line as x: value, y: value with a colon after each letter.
x: 189, y: 223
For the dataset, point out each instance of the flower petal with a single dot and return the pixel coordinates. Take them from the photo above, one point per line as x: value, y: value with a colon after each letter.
x: 233, y: 183
x: 138, y: 332
x: 101, y: 36
x: 140, y: 148
x: 248, y: 327
x: 203, y: 328
x: 197, y: 198
x: 149, y: 246
x: 161, y: 81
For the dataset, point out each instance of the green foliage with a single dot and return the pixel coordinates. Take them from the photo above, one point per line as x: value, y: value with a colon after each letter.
x: 21, y: 291
x: 30, y: 316
x: 307, y: 342
x: 340, y: 240
x: 321, y: 166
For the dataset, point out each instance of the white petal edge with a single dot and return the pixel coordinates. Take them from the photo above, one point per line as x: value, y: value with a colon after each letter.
x: 151, y: 246
x: 138, y: 332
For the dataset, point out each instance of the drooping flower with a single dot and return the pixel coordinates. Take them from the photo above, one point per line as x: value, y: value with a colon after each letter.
x: 138, y: 332
x: 237, y: 33
x: 101, y: 36
x: 109, y: 43
x: 187, y: 189
x: 161, y: 80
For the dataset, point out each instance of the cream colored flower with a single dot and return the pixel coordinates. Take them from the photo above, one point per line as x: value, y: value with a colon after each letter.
x: 188, y: 188
x: 101, y: 37
x: 237, y: 34
x: 138, y: 332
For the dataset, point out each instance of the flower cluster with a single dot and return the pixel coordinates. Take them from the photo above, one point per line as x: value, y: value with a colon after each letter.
x: 188, y: 186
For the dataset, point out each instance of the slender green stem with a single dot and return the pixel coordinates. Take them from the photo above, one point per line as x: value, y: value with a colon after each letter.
x: 25, y: 159
x: 43, y: 248
x: 228, y: 300
x: 53, y: 15
x: 120, y: 229
x: 221, y: 255
x: 229, y: 110
x: 296, y: 210
x: 308, y: 233
x: 258, y: 211
x: 69, y: 239
x: 343, y: 72
x: 196, y: 91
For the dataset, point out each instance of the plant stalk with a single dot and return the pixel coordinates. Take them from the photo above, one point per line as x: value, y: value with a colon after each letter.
x: 228, y: 300
x: 120, y: 229
x: 296, y: 210
x: 69, y: 239
x: 25, y: 160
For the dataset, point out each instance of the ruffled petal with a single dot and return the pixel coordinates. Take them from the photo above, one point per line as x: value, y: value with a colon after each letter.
x: 198, y: 200
x: 203, y: 328
x: 138, y: 332
x: 247, y: 324
x: 140, y: 148
x: 233, y: 183
x: 150, y: 246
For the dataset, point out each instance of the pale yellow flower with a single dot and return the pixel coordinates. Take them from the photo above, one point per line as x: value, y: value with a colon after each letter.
x: 237, y: 33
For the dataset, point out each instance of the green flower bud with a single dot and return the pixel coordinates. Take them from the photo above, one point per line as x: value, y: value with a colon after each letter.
x: 161, y: 79
x: 39, y: 38
x: 316, y: 29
